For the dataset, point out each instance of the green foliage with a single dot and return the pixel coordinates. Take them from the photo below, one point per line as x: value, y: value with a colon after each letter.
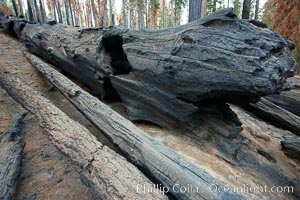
x: 155, y: 4
x: 237, y: 5
x: 214, y: 5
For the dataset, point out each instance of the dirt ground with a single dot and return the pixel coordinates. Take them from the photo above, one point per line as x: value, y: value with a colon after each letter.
x: 48, y: 174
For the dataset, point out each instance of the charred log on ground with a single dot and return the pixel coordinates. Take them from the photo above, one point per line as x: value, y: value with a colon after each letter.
x: 11, y: 150
x: 108, y: 174
x: 152, y: 157
x: 177, y: 76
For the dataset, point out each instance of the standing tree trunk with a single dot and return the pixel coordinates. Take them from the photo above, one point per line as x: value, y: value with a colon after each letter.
x: 246, y: 9
x: 203, y: 8
x: 43, y: 12
x: 126, y: 13
x: 71, y: 12
x: 111, y: 14
x: 92, y: 8
x: 256, y: 9
x: 163, y: 14
x: 60, y: 20
x: 30, y: 13
x: 54, y: 9
x: 21, y: 7
x: 15, y: 7
x: 38, y: 18
x: 194, y: 9
x: 140, y: 11
x: 67, y: 12
x: 172, y: 17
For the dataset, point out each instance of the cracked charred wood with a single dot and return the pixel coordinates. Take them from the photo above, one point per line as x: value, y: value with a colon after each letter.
x: 275, y: 115
x: 151, y: 156
x: 288, y: 100
x: 108, y: 174
x: 13, y: 25
x: 291, y: 146
x: 11, y: 150
x: 177, y: 76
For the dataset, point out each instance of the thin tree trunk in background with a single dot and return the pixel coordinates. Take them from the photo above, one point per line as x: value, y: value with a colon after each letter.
x: 21, y: 7
x: 111, y: 14
x: 43, y: 12
x: 36, y: 7
x: 30, y: 13
x: 100, y: 13
x: 54, y: 9
x: 67, y: 12
x: 163, y: 16
x: 71, y: 12
x: 15, y: 7
x: 172, y: 18
x: 246, y: 9
x: 256, y: 9
x: 105, y: 13
x: 96, y: 14
x: 194, y: 10
x: 128, y: 13
x: 203, y: 8
x: 59, y: 12
x: 93, y: 13
x: 140, y: 11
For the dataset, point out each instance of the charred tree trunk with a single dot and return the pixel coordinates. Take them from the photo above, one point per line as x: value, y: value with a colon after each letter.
x: 174, y: 77
x: 291, y: 146
x: 107, y: 174
x: 11, y: 150
x: 195, y: 7
x: 246, y: 9
x: 256, y: 9
x: 30, y: 13
x: 151, y: 156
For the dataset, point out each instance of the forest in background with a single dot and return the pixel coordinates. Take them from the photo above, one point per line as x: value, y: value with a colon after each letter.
x: 281, y: 15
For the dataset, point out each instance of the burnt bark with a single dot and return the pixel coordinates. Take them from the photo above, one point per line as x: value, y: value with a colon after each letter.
x: 108, y: 174
x: 195, y: 7
x: 30, y: 12
x: 155, y: 159
x: 182, y: 77
x: 291, y: 146
x: 246, y: 9
x: 11, y: 150
x: 275, y: 115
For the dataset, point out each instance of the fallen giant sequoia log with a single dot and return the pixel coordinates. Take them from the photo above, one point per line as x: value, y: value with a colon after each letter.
x: 180, y: 77
x: 158, y: 161
x: 107, y: 174
x: 11, y: 150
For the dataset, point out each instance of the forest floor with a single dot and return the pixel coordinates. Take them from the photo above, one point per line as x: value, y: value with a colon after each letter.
x: 48, y: 174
